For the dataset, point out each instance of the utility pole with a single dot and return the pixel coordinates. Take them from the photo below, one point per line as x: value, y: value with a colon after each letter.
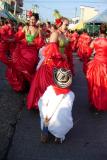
x: 75, y: 12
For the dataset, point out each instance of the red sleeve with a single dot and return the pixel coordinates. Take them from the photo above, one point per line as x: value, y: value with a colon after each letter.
x: 39, y: 41
x: 19, y: 35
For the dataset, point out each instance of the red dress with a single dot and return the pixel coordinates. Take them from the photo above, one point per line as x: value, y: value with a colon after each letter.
x: 84, y: 50
x: 3, y: 50
x: 4, y: 45
x: 24, y: 61
x: 83, y: 46
x: 97, y: 75
x: 74, y: 39
x: 44, y: 75
x: 68, y: 53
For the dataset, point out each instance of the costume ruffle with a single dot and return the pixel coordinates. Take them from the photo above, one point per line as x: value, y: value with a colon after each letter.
x: 25, y: 59
x: 39, y: 42
x: 3, y: 50
x: 68, y: 53
x: 97, y: 75
x: 83, y: 47
x: 74, y: 40
x: 44, y: 75
x: 6, y: 47
x: 23, y: 62
x: 15, y: 79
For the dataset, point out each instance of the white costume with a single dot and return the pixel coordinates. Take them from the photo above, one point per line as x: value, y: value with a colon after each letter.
x: 59, y: 108
x: 41, y: 57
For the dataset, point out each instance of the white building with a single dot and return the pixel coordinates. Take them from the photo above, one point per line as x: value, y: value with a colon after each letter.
x: 87, y: 13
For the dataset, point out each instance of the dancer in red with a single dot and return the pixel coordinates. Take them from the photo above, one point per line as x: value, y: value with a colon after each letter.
x: 68, y: 48
x: 54, y: 56
x: 25, y: 56
x: 6, y: 32
x: 97, y: 72
x: 74, y: 39
x: 84, y: 51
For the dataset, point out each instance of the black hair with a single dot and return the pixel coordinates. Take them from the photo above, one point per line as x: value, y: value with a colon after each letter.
x: 85, y: 30
x: 36, y: 15
x: 103, y: 28
x: 54, y: 26
x: 6, y: 22
x: 49, y: 23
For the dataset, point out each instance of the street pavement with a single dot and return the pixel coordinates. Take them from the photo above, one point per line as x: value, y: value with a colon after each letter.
x: 10, y: 106
x: 86, y: 141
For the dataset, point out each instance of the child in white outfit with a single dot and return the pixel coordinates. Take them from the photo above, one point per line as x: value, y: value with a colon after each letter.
x: 55, y: 105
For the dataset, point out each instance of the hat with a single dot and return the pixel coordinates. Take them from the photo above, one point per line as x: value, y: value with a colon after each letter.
x: 62, y: 77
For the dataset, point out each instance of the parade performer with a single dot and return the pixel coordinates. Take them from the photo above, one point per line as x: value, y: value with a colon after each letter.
x: 97, y: 72
x: 84, y: 51
x: 83, y: 45
x: 56, y: 110
x: 25, y: 56
x: 54, y: 56
x: 6, y: 33
x: 65, y: 44
x: 46, y: 27
x: 74, y: 39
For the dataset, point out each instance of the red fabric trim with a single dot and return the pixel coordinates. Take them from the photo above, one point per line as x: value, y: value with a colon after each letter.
x: 59, y: 90
x: 58, y: 22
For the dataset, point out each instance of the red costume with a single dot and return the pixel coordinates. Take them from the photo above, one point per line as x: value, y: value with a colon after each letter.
x: 97, y: 75
x: 68, y: 53
x: 84, y: 50
x: 83, y: 46
x: 74, y: 40
x: 5, y: 33
x: 24, y: 61
x: 44, y: 75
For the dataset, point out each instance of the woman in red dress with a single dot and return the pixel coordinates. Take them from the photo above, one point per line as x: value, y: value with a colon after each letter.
x: 24, y: 57
x: 74, y: 39
x: 68, y: 49
x: 84, y: 50
x: 83, y: 45
x: 54, y: 56
x: 97, y: 72
x: 6, y: 32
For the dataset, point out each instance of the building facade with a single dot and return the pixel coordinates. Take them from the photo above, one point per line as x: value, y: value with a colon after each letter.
x: 14, y: 6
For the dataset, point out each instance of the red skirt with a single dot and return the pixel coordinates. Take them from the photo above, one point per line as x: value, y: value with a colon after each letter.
x: 97, y: 84
x: 23, y: 66
x: 25, y: 59
x: 44, y: 75
x: 3, y: 51
x: 15, y: 79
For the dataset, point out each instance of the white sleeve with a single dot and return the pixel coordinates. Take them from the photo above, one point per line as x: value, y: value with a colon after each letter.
x: 72, y: 97
x: 42, y: 103
x: 41, y: 57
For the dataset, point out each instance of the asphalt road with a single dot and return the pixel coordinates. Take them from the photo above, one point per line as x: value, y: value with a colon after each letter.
x: 86, y: 141
x: 10, y: 109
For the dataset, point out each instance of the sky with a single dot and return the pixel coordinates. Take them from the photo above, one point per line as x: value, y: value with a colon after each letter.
x: 67, y: 8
